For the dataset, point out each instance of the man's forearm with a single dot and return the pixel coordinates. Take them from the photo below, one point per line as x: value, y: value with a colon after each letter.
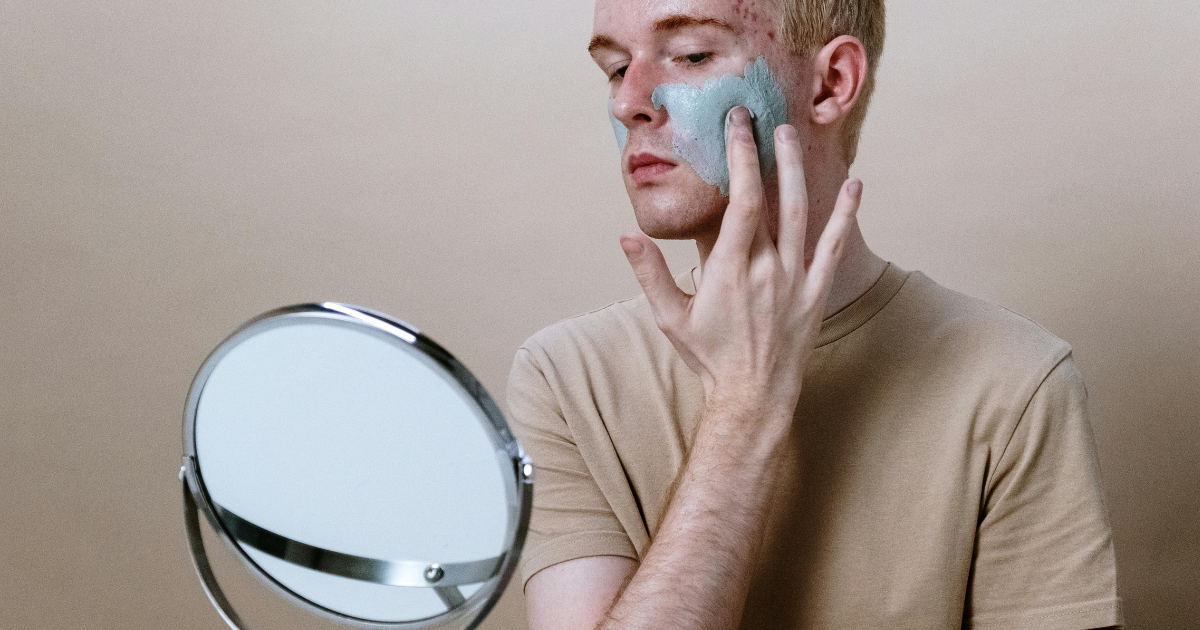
x: 696, y: 573
x: 748, y: 333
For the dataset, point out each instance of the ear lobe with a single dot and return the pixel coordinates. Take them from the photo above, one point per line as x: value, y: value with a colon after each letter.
x: 839, y: 74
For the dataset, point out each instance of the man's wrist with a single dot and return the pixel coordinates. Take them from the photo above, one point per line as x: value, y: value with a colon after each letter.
x: 744, y: 428
x: 753, y: 405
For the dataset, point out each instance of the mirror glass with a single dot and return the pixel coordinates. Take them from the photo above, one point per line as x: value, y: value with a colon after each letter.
x: 352, y: 467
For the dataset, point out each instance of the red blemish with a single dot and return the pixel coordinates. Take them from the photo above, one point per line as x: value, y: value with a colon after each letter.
x: 771, y: 34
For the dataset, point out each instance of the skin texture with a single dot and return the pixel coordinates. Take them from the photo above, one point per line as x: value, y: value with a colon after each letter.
x: 698, y: 116
x: 776, y: 256
x: 640, y: 44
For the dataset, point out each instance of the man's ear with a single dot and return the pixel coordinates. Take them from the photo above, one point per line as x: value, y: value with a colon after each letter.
x: 839, y: 72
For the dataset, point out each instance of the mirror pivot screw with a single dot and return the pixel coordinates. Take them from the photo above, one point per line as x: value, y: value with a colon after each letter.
x: 526, y: 469
x: 434, y: 573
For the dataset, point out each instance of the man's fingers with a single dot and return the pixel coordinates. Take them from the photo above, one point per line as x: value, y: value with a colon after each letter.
x: 741, y: 219
x: 833, y: 239
x: 667, y: 301
x: 793, y: 197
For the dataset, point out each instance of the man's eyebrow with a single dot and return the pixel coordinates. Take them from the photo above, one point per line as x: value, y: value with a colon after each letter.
x: 601, y: 41
x: 675, y: 22
x: 669, y: 23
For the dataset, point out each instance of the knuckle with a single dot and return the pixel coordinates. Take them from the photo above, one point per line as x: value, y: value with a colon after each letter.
x: 675, y: 336
x: 664, y: 325
x: 745, y: 206
x: 663, y: 320
x: 753, y: 200
x: 669, y: 321
x: 742, y: 145
x: 836, y: 247
x: 677, y: 322
x: 645, y: 273
x: 748, y: 158
x: 748, y: 195
x: 745, y: 137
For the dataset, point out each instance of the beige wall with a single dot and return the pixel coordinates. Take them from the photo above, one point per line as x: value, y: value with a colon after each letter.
x: 169, y: 169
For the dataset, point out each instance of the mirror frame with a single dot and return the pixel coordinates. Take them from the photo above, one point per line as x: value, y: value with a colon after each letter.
x: 518, y: 486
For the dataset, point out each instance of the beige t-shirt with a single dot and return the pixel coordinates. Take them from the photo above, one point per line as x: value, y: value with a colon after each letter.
x: 943, y: 475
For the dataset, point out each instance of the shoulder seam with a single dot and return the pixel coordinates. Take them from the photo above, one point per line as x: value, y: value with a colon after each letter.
x: 988, y: 484
x: 531, y: 343
x: 1040, y: 327
x: 597, y: 310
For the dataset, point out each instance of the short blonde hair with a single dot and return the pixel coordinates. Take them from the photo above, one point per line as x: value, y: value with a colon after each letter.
x: 810, y: 24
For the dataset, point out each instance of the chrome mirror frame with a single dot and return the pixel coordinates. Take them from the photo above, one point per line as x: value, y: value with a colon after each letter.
x: 463, y: 612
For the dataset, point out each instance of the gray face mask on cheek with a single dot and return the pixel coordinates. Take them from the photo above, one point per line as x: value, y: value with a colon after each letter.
x: 698, y: 119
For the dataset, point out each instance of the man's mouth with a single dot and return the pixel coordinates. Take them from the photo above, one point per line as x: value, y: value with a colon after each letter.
x: 645, y: 167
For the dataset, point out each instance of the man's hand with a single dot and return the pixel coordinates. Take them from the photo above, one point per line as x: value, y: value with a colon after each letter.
x: 751, y: 327
x: 748, y: 333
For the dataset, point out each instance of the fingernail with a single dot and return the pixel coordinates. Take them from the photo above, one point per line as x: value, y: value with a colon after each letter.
x: 739, y: 116
x: 854, y: 188
x: 787, y: 133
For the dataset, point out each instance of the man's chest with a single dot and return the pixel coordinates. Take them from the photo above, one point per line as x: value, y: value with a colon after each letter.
x: 876, y: 505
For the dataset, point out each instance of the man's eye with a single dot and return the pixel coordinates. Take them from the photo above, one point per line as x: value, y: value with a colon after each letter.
x: 619, y: 74
x: 697, y: 58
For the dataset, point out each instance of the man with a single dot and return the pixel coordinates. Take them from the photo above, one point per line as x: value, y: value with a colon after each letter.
x: 796, y: 434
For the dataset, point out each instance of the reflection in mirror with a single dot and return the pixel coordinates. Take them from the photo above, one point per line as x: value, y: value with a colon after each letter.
x: 356, y: 465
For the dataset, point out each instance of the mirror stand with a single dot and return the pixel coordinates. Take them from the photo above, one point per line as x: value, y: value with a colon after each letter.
x: 353, y: 432
x: 191, y: 520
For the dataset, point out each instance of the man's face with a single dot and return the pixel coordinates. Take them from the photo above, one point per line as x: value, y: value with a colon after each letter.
x: 640, y: 44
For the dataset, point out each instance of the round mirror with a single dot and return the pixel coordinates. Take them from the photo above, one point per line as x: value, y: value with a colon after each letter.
x: 356, y: 467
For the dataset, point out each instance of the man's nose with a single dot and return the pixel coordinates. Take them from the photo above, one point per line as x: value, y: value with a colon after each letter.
x: 631, y: 100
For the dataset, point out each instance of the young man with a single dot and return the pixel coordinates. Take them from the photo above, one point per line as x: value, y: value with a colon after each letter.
x: 796, y: 434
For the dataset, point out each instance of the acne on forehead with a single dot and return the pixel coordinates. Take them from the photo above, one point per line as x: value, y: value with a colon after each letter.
x: 756, y: 18
x: 753, y: 18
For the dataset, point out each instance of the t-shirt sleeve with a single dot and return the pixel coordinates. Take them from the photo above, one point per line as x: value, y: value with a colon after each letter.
x: 571, y: 517
x: 1043, y: 554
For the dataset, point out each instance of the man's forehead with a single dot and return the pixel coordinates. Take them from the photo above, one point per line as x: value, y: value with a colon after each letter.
x: 666, y: 24
x: 613, y: 16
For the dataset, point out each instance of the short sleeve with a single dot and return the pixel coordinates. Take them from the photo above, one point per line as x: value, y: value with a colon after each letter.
x: 1043, y: 553
x: 571, y: 517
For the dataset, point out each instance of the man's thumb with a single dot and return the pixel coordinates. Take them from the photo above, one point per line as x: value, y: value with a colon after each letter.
x: 666, y: 299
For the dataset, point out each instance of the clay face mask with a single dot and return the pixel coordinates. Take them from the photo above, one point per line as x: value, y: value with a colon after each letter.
x: 619, y: 129
x: 698, y: 119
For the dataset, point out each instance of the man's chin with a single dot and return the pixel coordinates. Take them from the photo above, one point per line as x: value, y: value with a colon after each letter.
x: 678, y: 213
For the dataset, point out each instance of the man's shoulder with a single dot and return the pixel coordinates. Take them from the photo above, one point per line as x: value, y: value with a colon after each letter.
x: 599, y: 362
x: 618, y: 329
x: 975, y: 331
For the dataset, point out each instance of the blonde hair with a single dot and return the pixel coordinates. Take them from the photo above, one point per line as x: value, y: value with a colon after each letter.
x: 810, y: 24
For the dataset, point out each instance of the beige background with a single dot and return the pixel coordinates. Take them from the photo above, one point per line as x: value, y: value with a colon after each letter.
x: 169, y: 169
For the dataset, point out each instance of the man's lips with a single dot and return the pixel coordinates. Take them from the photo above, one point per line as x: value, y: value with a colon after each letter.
x: 644, y: 167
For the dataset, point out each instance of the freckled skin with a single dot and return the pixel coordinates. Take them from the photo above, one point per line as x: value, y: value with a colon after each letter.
x: 760, y: 298
x: 680, y: 205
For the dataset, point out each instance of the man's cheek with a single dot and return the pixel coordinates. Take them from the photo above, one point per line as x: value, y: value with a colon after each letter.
x: 698, y: 119
x: 618, y: 127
